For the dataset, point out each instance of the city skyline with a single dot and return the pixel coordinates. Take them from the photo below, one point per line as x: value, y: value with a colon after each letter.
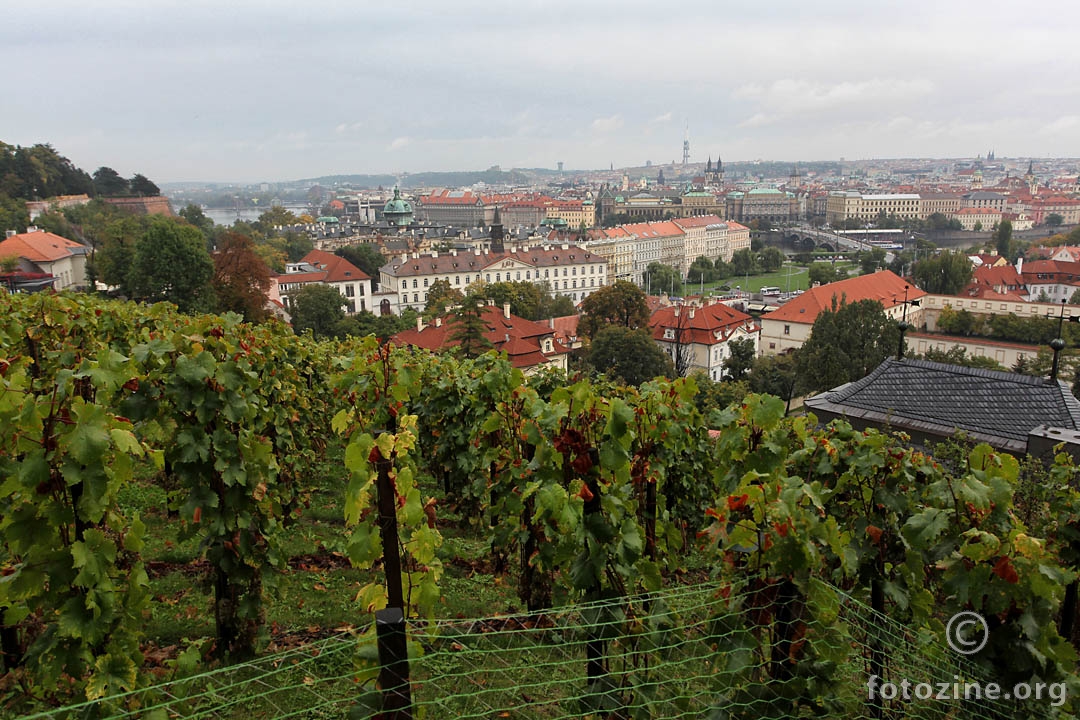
x: 250, y: 92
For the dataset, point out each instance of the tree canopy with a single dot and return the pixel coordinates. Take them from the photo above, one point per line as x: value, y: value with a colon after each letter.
x: 318, y: 308
x: 846, y: 342
x: 241, y: 278
x: 663, y: 279
x: 622, y: 303
x: 39, y: 172
x: 946, y: 273
x: 629, y: 355
x: 169, y: 262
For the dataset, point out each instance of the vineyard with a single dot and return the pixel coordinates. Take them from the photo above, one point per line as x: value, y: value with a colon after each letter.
x: 201, y: 518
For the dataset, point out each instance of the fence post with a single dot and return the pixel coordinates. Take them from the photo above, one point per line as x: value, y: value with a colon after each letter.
x: 388, y: 532
x: 394, y: 662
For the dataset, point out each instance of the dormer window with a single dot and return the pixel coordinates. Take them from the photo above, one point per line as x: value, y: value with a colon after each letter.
x: 669, y: 333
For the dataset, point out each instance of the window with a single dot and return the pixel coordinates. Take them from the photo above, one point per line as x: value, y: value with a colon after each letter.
x: 457, y: 279
x: 404, y: 284
x: 669, y: 334
x: 416, y: 297
x: 414, y: 283
x: 787, y: 329
x: 488, y: 276
x: 517, y: 275
x: 545, y: 272
x: 498, y: 277
x: 425, y: 282
x: 563, y: 284
x: 349, y: 291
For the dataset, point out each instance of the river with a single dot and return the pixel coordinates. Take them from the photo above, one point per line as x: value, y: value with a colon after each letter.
x: 227, y: 216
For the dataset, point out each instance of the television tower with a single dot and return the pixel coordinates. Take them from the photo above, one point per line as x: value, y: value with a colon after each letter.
x: 686, y: 147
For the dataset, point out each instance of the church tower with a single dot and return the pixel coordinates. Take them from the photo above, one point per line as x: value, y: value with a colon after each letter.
x: 497, y: 234
x: 795, y: 181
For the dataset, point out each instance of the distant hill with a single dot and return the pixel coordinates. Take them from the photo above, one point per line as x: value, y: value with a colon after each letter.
x: 433, y: 179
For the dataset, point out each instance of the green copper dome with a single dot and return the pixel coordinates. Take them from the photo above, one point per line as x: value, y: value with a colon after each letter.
x: 398, y: 212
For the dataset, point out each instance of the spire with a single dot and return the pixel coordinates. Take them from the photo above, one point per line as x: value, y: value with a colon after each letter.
x: 497, y: 232
x: 708, y: 166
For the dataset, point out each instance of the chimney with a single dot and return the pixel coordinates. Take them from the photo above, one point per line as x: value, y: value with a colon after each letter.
x: 676, y: 311
x: 1019, y: 266
x: 10, y: 233
x: 438, y: 322
x: 506, y: 310
x: 453, y: 252
x: 419, y: 324
x: 551, y: 323
x: 691, y: 312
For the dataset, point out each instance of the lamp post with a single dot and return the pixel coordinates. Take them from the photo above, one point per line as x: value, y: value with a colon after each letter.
x: 1058, y: 343
x: 904, y: 327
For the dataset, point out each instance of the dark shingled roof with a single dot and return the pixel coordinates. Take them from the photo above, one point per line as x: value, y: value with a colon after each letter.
x: 937, y: 399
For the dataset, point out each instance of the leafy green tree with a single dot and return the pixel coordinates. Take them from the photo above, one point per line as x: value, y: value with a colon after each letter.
x: 1074, y: 299
x: 470, y: 330
x: 745, y: 262
x: 318, y: 308
x: 109, y: 183
x: 663, y: 279
x: 771, y: 259
x: 1003, y: 240
x: 275, y: 217
x: 628, y: 355
x: 723, y: 269
x: 1054, y: 220
x: 713, y: 395
x: 701, y: 270
x: 871, y: 261
x: 846, y: 342
x: 382, y: 327
x: 946, y: 273
x: 194, y: 215
x: 772, y: 375
x: 825, y: 273
x: 13, y: 214
x: 740, y: 359
x: 978, y: 226
x: 440, y: 297
x: 170, y: 263
x: 142, y: 186
x: 958, y: 356
x: 365, y: 256
x: 297, y: 245
x: 622, y: 304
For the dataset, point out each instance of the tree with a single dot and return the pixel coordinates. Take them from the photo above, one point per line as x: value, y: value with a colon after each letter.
x: 274, y: 218
x: 1054, y: 220
x: 628, y: 355
x: 169, y: 262
x: 701, y: 270
x: 1074, y: 299
x: 440, y: 297
x: 740, y: 358
x: 194, y: 215
x: 297, y: 245
x: 470, y: 330
x: 622, y: 303
x: 771, y: 259
x: 1003, y: 240
x: 318, y: 308
x: 846, y: 342
x: 241, y: 278
x: 13, y: 215
x: 946, y: 273
x: 723, y: 270
x: 663, y: 279
x: 744, y: 262
x: 773, y: 375
x: 109, y: 183
x: 143, y: 187
x: 978, y: 226
x: 365, y: 256
x: 871, y: 261
x: 825, y: 273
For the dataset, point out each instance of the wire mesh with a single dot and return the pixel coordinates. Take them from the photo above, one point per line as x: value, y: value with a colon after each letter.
x: 705, y: 651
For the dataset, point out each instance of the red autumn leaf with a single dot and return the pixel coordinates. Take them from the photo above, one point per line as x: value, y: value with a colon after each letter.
x: 197, y: 515
x: 875, y: 533
x: 585, y: 493
x: 737, y: 502
x: 1004, y: 569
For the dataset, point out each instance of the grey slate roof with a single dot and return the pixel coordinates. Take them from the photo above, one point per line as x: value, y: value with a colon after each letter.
x: 937, y: 399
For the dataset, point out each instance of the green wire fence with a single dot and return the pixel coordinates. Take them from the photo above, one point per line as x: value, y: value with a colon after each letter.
x: 707, y: 651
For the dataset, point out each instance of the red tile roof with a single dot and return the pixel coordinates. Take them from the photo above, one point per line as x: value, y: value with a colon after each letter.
x: 337, y: 268
x: 885, y: 286
x: 519, y: 338
x: 697, y: 221
x: 38, y: 247
x: 707, y: 325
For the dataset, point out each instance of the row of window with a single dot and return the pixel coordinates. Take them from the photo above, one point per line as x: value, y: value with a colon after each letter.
x: 517, y: 276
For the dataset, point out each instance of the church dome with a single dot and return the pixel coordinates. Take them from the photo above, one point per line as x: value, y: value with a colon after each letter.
x: 397, y: 211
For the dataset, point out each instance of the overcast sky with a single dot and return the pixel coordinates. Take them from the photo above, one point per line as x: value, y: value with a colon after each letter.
x: 234, y: 90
